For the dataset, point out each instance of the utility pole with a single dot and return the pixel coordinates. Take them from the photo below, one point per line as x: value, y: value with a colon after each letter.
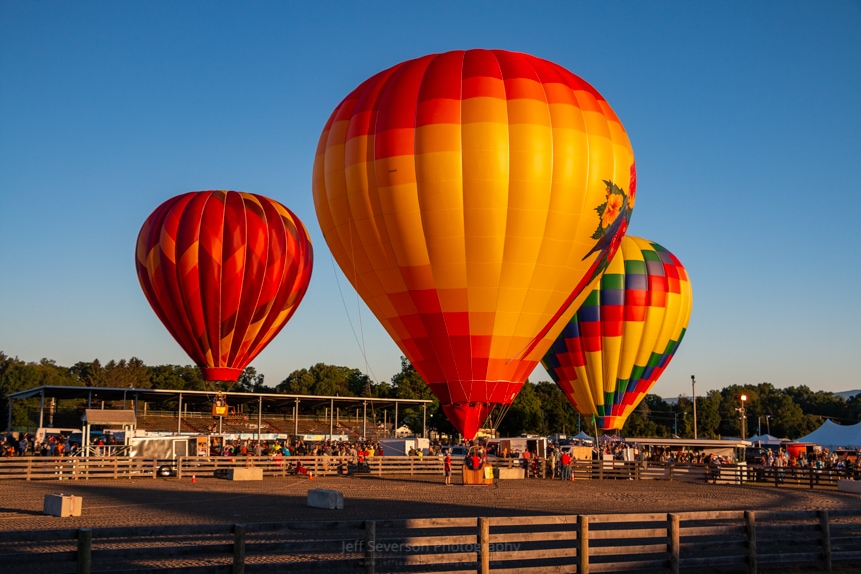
x: 694, y: 391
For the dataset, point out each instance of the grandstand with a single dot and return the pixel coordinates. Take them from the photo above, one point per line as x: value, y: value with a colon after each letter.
x: 190, y: 411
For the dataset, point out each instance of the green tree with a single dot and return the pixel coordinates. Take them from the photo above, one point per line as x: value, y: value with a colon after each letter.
x: 408, y: 384
x: 90, y: 374
x: 525, y: 415
x: 819, y: 403
x: 299, y: 382
x: 559, y: 414
x: 639, y: 422
x: 708, y: 415
x: 250, y: 382
x: 131, y: 374
x: 177, y: 377
x: 16, y: 375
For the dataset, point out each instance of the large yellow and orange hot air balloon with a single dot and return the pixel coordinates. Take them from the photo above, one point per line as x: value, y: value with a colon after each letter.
x: 470, y: 197
x: 624, y: 335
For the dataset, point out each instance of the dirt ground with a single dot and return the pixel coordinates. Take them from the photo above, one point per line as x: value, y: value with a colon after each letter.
x: 210, y: 500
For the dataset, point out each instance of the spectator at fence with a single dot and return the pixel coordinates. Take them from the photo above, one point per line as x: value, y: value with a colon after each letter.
x: 565, y: 461
x: 446, y: 465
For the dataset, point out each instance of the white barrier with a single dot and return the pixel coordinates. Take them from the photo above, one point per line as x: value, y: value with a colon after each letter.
x: 252, y: 473
x: 63, y: 505
x: 323, y: 498
x: 849, y: 486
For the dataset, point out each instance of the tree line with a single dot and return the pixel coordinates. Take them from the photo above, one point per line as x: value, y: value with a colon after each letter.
x: 540, y: 408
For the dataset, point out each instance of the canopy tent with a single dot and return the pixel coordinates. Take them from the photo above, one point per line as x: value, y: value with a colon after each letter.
x: 833, y: 436
x: 583, y: 436
x: 765, y: 440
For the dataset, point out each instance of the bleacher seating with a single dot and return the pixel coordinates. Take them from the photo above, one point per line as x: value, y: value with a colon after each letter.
x: 203, y: 423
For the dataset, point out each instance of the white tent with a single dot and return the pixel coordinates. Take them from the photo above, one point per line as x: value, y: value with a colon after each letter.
x: 765, y: 440
x: 831, y: 436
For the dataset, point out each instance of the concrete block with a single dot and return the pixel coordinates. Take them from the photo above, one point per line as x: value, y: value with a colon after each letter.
x: 63, y: 505
x: 323, y: 498
x: 849, y: 486
x: 252, y: 473
x: 511, y: 473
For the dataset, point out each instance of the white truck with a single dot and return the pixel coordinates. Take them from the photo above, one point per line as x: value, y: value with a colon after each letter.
x: 166, y: 449
x: 402, y: 446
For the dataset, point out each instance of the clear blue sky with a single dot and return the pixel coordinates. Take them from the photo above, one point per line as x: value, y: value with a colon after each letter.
x: 744, y: 118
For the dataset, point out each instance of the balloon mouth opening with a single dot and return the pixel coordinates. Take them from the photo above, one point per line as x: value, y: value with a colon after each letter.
x: 468, y: 418
x: 227, y: 374
x: 611, y: 423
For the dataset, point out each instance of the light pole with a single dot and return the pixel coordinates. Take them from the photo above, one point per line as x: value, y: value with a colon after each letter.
x: 676, y: 422
x: 694, y: 392
x: 767, y: 424
x: 741, y: 410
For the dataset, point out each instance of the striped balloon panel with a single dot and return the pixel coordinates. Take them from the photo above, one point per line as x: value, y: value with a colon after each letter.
x: 617, y: 345
x: 458, y: 194
x: 224, y: 271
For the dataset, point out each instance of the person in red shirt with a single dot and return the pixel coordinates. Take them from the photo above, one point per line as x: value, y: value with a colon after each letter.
x: 446, y: 465
x: 565, y: 461
x: 474, y: 462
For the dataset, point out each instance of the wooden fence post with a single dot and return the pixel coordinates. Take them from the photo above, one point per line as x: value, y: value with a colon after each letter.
x: 674, y: 545
x: 85, y: 547
x: 484, y: 546
x: 582, y: 544
x: 825, y: 528
x: 750, y: 531
x: 370, y: 546
x: 238, y: 549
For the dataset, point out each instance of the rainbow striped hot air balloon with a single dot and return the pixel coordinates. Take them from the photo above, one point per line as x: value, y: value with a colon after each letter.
x: 224, y: 271
x: 624, y: 335
x: 470, y: 197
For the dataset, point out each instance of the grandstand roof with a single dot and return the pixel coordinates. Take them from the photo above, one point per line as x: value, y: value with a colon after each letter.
x: 204, y: 397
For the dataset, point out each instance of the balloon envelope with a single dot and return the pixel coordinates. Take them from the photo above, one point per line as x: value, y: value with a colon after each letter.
x: 624, y: 335
x: 224, y: 271
x: 470, y: 197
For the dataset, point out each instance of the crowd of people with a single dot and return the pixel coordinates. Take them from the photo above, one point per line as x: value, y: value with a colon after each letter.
x: 28, y: 445
x: 556, y: 463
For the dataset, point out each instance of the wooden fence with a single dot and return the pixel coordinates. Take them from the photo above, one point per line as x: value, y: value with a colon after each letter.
x: 704, y: 541
x: 85, y: 468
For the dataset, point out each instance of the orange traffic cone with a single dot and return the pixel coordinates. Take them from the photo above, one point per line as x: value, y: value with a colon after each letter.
x: 193, y: 479
x: 310, y: 476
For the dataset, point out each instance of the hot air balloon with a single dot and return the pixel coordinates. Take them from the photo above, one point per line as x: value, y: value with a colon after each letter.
x: 470, y: 197
x: 224, y: 271
x: 624, y: 335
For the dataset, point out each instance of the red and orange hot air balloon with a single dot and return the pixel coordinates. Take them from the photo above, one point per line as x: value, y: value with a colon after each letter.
x: 624, y: 335
x: 470, y: 198
x: 224, y: 271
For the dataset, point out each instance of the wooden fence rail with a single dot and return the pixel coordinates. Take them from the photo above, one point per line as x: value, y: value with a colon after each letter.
x: 92, y: 467
x: 729, y: 540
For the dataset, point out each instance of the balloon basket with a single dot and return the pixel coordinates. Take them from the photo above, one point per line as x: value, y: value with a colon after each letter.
x: 480, y: 477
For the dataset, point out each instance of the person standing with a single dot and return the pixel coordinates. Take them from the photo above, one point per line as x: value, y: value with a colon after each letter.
x: 446, y: 466
x: 565, y: 461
